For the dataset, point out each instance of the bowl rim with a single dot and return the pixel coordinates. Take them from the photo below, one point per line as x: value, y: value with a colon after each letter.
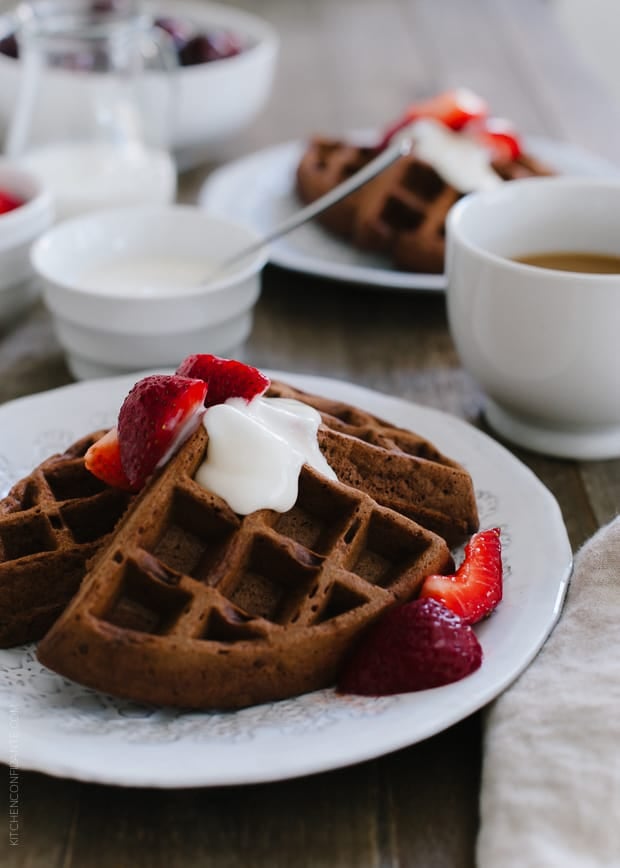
x: 54, y: 235
x: 16, y: 223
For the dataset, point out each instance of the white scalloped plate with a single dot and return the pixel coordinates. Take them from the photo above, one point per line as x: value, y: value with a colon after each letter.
x: 258, y: 190
x: 54, y: 726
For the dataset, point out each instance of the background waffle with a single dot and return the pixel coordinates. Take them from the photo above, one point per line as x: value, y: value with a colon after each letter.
x: 402, y: 212
x: 397, y: 468
x: 194, y: 606
x: 51, y: 523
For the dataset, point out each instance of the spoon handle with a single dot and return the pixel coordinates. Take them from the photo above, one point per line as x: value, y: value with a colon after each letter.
x: 399, y: 148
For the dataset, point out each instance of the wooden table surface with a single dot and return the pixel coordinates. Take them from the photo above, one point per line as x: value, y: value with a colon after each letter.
x: 344, y: 64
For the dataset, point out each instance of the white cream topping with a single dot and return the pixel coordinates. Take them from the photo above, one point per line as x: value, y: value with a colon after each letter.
x: 256, y: 451
x: 462, y: 162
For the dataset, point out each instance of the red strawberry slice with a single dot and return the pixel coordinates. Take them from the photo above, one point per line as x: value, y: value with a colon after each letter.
x: 103, y: 459
x: 476, y: 587
x: 412, y: 647
x: 498, y: 135
x: 227, y: 378
x: 9, y: 202
x: 161, y: 411
x: 453, y: 108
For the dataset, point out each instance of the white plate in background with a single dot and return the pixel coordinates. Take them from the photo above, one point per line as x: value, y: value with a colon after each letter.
x: 260, y: 190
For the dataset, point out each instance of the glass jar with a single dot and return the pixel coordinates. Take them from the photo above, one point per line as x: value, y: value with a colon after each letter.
x: 93, y: 113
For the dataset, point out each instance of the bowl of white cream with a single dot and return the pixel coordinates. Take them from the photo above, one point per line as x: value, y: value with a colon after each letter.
x: 138, y: 287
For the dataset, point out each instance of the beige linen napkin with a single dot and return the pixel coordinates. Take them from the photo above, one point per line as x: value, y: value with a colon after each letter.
x: 550, y: 794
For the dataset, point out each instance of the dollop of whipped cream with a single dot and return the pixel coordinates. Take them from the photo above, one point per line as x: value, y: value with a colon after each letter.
x: 462, y: 162
x: 256, y: 451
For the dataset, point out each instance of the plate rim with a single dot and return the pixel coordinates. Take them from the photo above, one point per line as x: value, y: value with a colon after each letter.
x: 307, y: 763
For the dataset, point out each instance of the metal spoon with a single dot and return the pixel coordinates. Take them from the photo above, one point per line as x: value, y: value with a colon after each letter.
x: 401, y: 146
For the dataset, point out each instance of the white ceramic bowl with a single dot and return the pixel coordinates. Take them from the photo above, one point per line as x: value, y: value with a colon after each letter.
x: 18, y: 229
x: 119, y: 327
x: 212, y: 101
x: 542, y: 343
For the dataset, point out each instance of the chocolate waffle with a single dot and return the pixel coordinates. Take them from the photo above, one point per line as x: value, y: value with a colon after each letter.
x: 51, y: 524
x: 401, y: 213
x: 192, y: 605
x: 60, y: 513
x: 397, y: 468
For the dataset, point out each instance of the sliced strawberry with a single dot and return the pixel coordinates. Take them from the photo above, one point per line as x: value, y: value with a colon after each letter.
x: 453, y: 108
x: 9, y: 202
x: 160, y: 412
x: 103, y: 459
x: 226, y: 378
x: 498, y: 135
x: 476, y: 587
x: 412, y: 647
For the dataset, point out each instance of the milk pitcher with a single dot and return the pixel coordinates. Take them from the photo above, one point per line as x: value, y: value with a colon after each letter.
x: 94, y: 111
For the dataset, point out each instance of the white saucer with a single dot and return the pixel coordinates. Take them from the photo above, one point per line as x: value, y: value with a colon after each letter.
x: 580, y: 444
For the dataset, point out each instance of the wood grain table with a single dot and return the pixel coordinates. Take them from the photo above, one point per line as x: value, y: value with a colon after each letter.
x: 344, y: 64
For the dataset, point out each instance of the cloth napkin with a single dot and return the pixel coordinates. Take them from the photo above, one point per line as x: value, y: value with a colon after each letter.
x: 550, y: 795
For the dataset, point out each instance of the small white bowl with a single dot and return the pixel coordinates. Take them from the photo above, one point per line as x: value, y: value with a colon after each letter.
x: 90, y: 270
x: 18, y: 229
x: 212, y: 101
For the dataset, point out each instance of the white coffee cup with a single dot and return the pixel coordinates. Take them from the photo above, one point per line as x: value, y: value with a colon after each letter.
x: 544, y: 344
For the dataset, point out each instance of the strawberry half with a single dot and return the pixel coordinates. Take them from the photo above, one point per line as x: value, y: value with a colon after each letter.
x: 159, y: 413
x: 412, y: 647
x: 9, y: 202
x: 103, y: 459
x: 454, y: 108
x: 227, y: 378
x: 476, y: 587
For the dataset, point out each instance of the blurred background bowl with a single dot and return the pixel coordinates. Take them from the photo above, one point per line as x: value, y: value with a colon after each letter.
x: 111, y: 329
x: 18, y: 229
x: 213, y: 101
